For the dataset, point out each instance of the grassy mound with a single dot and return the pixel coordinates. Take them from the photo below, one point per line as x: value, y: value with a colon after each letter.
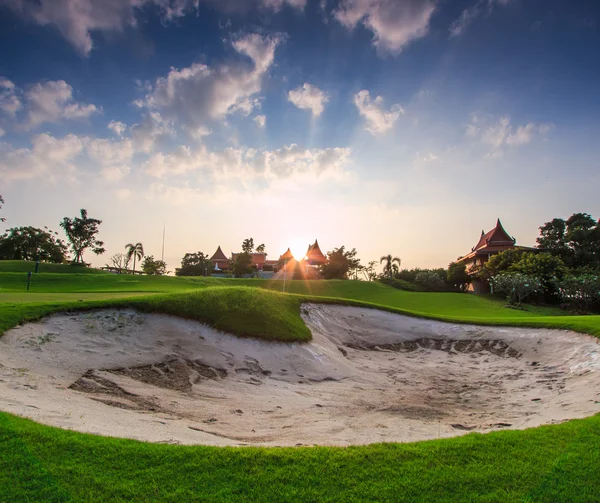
x: 242, y: 311
x: 45, y: 267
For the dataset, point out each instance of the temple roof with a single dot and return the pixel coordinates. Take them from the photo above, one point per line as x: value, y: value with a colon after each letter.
x: 257, y: 258
x: 219, y: 255
x: 287, y: 255
x: 496, y: 237
x: 314, y: 253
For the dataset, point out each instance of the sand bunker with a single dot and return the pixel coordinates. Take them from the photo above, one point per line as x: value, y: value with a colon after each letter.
x: 367, y: 376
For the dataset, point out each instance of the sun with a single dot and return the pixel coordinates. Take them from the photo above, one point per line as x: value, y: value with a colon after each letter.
x: 298, y: 247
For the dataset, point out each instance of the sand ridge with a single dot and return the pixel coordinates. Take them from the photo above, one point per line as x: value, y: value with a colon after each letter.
x: 367, y: 376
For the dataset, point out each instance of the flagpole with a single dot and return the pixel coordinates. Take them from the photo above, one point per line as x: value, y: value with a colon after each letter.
x: 162, y: 258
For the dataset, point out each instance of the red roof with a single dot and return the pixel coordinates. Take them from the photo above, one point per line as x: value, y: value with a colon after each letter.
x: 314, y: 255
x: 257, y: 258
x: 496, y: 237
x: 219, y: 256
x: 287, y: 255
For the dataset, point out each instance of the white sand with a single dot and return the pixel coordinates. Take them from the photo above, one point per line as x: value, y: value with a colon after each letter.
x: 367, y: 376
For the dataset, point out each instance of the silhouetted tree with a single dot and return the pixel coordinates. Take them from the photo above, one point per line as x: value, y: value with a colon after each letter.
x: 134, y: 251
x: 195, y: 264
x: 81, y: 233
x: 30, y: 243
x: 389, y: 261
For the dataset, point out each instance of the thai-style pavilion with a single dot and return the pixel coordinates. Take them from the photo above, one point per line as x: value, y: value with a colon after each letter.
x: 314, y: 255
x: 490, y: 243
x: 219, y: 260
x: 287, y: 256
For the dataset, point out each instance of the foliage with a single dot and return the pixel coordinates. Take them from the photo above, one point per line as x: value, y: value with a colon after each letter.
x: 389, y: 263
x: 501, y: 262
x: 340, y: 262
x: 153, y: 267
x: 517, y: 286
x: 548, y: 268
x: 248, y: 245
x: 242, y: 264
x: 260, y: 248
x: 576, y: 241
x: 1, y: 203
x: 411, y: 274
x: 81, y: 233
x: 30, y: 243
x: 430, y: 280
x: 195, y: 264
x: 369, y: 271
x: 136, y: 251
x: 457, y: 275
x: 582, y: 290
x: 119, y: 261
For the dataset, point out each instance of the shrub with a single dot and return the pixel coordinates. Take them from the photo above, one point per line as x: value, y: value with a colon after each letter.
x: 582, y: 291
x: 430, y: 280
x: 517, y: 286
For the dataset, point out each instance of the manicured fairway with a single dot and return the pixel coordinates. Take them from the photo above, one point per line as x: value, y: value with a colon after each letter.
x: 37, y: 463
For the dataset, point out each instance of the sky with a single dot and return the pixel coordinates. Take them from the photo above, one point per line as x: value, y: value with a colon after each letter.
x: 400, y: 127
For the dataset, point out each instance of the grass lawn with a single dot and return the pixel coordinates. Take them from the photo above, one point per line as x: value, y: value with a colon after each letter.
x: 38, y: 463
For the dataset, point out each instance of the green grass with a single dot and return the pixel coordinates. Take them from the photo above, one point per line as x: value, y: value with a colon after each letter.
x: 548, y: 464
x: 37, y: 463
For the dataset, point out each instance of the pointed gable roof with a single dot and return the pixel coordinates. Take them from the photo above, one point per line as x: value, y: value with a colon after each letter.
x: 219, y: 255
x: 496, y: 237
x: 287, y: 255
x: 314, y: 254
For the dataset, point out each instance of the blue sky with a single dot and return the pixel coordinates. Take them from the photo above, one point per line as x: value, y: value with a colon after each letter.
x: 392, y: 126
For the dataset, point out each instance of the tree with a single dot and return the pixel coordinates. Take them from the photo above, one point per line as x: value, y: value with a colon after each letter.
x: 135, y: 251
x: 457, y: 275
x: 500, y: 262
x: 431, y: 280
x: 576, y: 241
x: 339, y: 263
x: 242, y: 264
x: 389, y: 261
x: 248, y: 245
x: 1, y: 203
x: 548, y: 268
x: 30, y: 243
x: 119, y: 261
x: 153, y: 267
x: 369, y: 271
x: 581, y: 290
x: 195, y: 264
x: 81, y: 233
x: 260, y: 248
x: 517, y: 286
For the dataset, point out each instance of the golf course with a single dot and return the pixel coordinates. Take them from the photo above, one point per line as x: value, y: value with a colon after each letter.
x: 550, y: 463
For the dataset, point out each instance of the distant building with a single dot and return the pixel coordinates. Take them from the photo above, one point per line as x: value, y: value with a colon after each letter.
x: 219, y: 260
x: 490, y: 243
x: 314, y: 256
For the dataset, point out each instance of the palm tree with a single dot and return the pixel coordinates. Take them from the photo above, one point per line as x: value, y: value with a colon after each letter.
x: 388, y: 264
x: 135, y: 251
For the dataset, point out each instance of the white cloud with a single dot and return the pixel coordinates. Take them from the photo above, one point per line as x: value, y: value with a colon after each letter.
x: 117, y: 127
x: 48, y: 158
x: 199, y: 93
x: 261, y: 121
x: 470, y: 14
x: 394, y: 23
x: 309, y: 97
x: 151, y: 128
x: 108, y: 152
x: 123, y: 194
x: 250, y: 164
x: 53, y: 101
x: 78, y: 19
x: 378, y: 119
x: 278, y: 4
x: 10, y: 103
x: 500, y: 133
x: 2, y: 132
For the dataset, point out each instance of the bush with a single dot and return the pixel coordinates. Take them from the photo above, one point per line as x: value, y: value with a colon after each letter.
x: 517, y: 286
x: 582, y: 291
x: 430, y: 280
